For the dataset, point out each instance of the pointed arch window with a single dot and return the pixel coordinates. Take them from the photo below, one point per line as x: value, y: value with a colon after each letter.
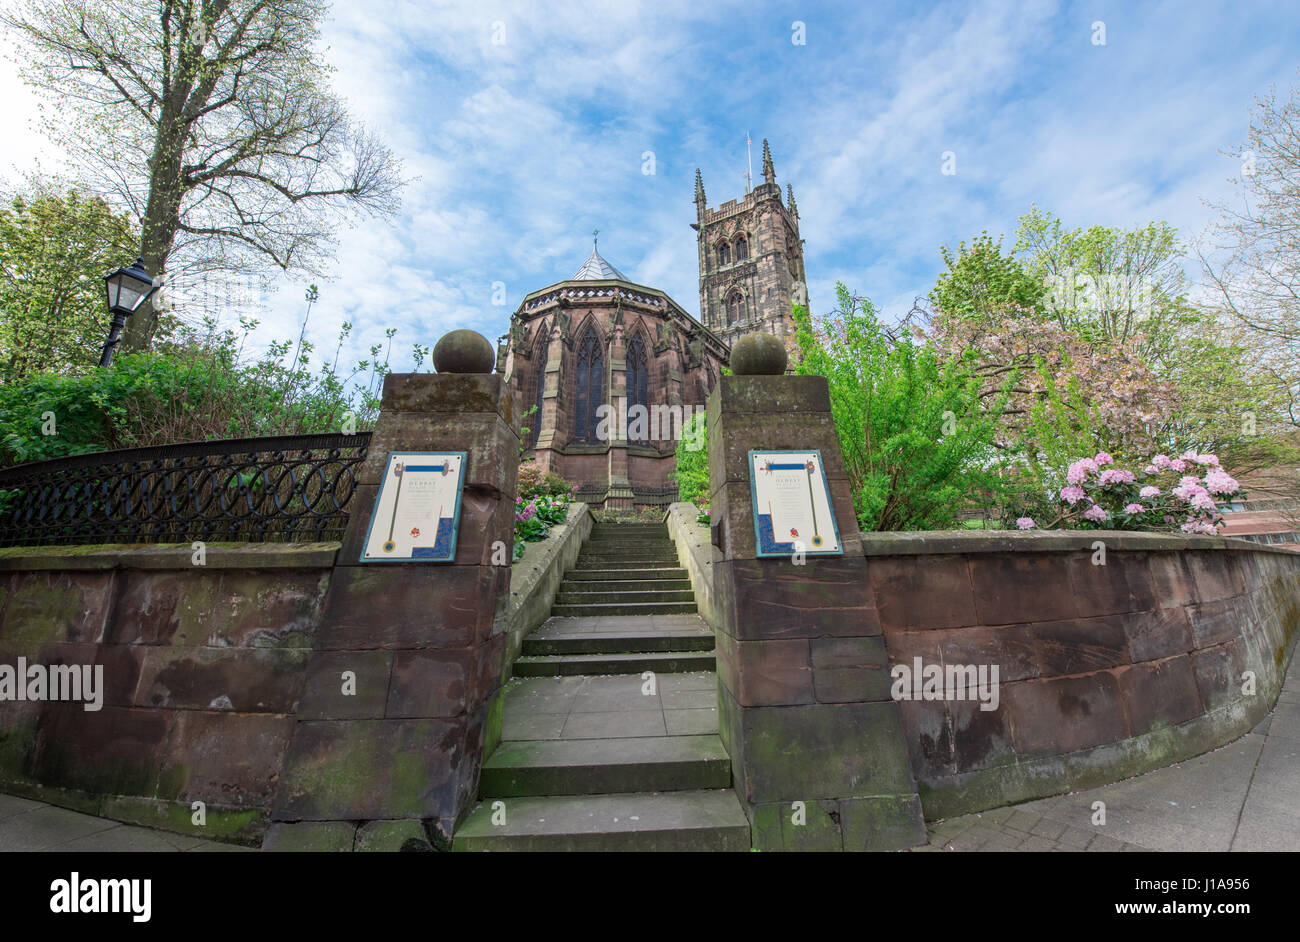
x: 638, y: 389
x: 735, y: 308
x: 591, y: 387
x: 724, y: 254
x: 540, y: 352
x: 742, y: 248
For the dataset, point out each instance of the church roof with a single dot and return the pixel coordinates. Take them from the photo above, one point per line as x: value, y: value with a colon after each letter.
x: 596, y: 268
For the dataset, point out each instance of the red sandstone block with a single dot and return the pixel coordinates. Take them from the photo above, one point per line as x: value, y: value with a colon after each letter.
x: 245, y: 680
x: 1078, y: 646
x: 1161, y: 693
x: 41, y: 607
x: 922, y: 591
x: 1014, y: 588
x: 1121, y: 585
x: 116, y: 750
x: 980, y: 738
x: 1222, y: 620
x: 1217, y: 574
x: 1161, y: 633
x: 1011, y: 647
x: 329, y: 694
x: 409, y: 606
x: 121, y: 664
x: 1065, y: 714
x: 1172, y: 578
x: 849, y: 670
x: 929, y: 738
x: 766, y: 673
x: 776, y: 599
x: 489, y: 668
x: 231, y: 758
x: 1218, y: 673
x: 430, y: 683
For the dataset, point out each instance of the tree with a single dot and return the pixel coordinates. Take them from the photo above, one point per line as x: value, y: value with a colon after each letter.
x: 980, y: 284
x: 211, y: 121
x: 55, y: 248
x: 917, y: 445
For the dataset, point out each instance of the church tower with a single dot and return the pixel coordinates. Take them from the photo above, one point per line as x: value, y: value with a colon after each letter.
x: 751, y: 259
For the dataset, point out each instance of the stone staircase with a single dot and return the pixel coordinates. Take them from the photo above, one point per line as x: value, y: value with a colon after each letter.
x: 590, y: 759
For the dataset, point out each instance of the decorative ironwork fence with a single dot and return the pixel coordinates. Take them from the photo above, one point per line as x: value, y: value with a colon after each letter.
x: 283, y: 489
x: 641, y: 496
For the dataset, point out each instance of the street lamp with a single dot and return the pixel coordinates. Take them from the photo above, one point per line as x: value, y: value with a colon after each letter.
x: 127, y: 290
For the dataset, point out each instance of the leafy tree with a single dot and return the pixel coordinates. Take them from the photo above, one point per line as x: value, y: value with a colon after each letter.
x: 692, y: 472
x: 55, y: 248
x: 980, y: 283
x: 918, y: 447
x: 211, y: 121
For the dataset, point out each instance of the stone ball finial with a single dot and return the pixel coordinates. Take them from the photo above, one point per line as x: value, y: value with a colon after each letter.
x: 758, y: 354
x: 463, y: 351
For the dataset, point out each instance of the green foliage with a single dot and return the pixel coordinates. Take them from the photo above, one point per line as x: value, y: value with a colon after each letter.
x: 534, y: 483
x: 55, y: 248
x: 692, y: 473
x: 981, y: 284
x: 190, y: 389
x: 917, y: 446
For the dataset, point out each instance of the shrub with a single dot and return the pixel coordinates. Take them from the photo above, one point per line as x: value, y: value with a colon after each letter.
x: 692, y: 473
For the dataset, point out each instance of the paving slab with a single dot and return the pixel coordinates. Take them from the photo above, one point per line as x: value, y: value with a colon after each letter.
x: 27, y: 825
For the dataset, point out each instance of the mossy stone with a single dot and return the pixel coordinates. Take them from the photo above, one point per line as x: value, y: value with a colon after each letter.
x: 463, y: 351
x: 758, y: 354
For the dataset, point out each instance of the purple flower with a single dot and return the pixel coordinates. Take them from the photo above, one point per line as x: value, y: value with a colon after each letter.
x: 1096, y: 513
x: 1103, y: 458
x: 1025, y: 523
x: 1135, y: 509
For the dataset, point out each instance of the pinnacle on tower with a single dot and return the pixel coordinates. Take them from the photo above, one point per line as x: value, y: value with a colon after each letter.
x: 769, y: 172
x: 699, y: 187
x: 793, y: 206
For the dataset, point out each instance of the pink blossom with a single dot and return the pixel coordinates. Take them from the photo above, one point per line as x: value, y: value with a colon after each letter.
x: 1135, y: 509
x: 1204, y: 502
x: 1149, y: 491
x: 1161, y: 461
x: 1150, y: 469
x: 1072, y: 495
x: 1115, y: 476
x: 1025, y: 523
x: 1220, y: 482
x: 1103, y: 458
x: 1189, y: 480
x: 1178, y: 465
x: 1208, y: 459
x: 1200, y: 526
x: 1096, y: 513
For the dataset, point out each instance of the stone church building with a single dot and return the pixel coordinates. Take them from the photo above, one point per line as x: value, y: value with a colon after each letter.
x: 612, y: 368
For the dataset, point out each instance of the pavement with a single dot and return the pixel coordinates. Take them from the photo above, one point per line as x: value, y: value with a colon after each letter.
x: 1244, y: 796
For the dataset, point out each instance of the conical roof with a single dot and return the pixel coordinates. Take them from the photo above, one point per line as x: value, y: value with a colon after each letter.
x: 596, y: 268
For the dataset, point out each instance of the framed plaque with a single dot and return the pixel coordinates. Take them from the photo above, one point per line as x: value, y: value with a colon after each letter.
x: 792, y: 504
x: 417, y: 512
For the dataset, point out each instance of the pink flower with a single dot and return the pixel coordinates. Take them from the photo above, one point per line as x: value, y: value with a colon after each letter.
x: 1204, y: 501
x: 1072, y: 495
x: 1200, y: 526
x: 1115, y: 476
x: 1189, y: 480
x: 1220, y: 482
x: 1161, y: 461
x: 1135, y: 509
x: 1178, y: 465
x: 1103, y: 458
x: 1079, y: 470
x: 1207, y: 459
x: 1149, y: 491
x: 1096, y: 513
x: 1150, y: 469
x: 1025, y: 523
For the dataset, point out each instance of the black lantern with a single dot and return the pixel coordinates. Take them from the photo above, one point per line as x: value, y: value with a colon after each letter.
x: 127, y: 290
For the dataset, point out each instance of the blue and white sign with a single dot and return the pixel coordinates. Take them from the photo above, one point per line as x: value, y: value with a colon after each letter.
x: 792, y: 504
x: 417, y: 513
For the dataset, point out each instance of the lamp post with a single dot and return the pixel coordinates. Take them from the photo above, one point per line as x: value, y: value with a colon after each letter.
x: 127, y: 290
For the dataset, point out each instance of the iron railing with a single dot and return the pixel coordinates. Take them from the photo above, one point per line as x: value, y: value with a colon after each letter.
x: 641, y: 496
x: 282, y: 489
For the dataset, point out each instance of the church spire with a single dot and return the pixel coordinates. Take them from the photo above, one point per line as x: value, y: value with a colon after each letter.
x: 769, y: 172
x: 793, y: 206
x: 699, y: 187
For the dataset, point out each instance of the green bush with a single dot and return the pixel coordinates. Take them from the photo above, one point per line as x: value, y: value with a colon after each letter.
x: 692, y: 473
x: 918, y: 448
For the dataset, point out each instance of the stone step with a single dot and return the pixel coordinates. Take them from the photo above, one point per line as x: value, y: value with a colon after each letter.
x: 542, y: 642
x: 631, y: 549
x: 662, y: 662
x: 594, y: 609
x: 624, y: 573
x: 626, y: 562
x: 604, y: 766
x: 606, y: 528
x: 625, y: 585
x: 618, y: 597
x: 639, y: 821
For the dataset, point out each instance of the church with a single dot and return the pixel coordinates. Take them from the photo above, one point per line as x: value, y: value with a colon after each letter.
x: 611, y: 368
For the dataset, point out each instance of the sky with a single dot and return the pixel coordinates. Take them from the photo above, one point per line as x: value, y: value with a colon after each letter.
x: 524, y: 126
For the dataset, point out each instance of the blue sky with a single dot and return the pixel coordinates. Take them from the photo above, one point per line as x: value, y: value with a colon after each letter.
x: 521, y: 147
